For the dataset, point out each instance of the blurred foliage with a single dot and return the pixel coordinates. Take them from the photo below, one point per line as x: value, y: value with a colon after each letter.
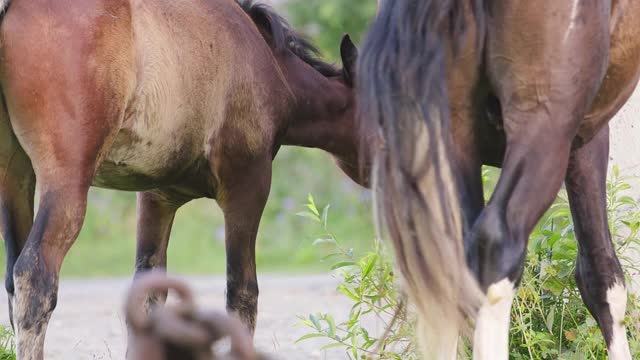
x: 7, y: 344
x: 325, y: 21
x: 369, y: 282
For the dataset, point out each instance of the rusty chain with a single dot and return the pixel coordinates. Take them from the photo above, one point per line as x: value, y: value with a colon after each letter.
x: 180, y: 331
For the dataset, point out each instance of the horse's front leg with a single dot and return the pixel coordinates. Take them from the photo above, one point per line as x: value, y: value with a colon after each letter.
x: 598, y: 271
x: 242, y: 197
x: 544, y: 91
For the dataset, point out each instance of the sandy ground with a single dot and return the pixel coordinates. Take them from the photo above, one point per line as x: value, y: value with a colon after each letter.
x: 88, y: 322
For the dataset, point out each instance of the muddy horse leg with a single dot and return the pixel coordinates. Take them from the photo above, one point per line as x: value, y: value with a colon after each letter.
x: 17, y: 186
x: 544, y: 90
x: 244, y: 194
x: 598, y: 272
x: 36, y: 272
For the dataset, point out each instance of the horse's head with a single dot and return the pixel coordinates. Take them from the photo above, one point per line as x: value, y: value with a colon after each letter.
x: 353, y: 153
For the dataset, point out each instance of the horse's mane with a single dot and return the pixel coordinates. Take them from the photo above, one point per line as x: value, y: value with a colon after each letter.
x: 281, y: 37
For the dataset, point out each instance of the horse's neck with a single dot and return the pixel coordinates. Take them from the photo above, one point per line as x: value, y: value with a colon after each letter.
x: 317, y: 116
x: 323, y: 117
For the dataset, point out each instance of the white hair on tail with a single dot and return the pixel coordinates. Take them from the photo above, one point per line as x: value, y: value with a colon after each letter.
x: 4, y: 4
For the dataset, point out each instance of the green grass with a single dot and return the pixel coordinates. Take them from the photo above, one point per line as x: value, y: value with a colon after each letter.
x: 106, y: 245
x: 7, y: 346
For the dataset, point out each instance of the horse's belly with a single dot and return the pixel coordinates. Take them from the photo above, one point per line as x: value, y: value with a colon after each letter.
x: 136, y: 162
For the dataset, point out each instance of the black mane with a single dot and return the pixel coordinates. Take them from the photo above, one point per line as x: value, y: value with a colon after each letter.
x: 283, y: 38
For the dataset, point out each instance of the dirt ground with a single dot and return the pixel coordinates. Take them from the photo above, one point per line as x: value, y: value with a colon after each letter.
x: 88, y: 322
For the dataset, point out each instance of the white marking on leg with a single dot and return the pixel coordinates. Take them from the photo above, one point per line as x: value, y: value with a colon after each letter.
x: 491, y: 336
x: 617, y: 300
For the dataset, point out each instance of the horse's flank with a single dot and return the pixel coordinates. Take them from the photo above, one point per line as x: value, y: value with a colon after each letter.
x: 201, y: 71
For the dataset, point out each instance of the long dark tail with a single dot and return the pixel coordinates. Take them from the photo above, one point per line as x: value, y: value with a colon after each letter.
x: 402, y: 91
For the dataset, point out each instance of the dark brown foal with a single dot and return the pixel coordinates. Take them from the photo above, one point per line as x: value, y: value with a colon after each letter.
x: 175, y: 100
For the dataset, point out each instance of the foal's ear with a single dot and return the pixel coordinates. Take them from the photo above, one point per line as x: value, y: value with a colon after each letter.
x: 349, y: 54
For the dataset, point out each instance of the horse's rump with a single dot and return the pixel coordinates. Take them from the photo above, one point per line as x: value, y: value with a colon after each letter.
x: 175, y: 77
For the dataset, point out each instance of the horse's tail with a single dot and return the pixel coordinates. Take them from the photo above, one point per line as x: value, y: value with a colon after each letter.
x: 4, y: 6
x: 402, y: 91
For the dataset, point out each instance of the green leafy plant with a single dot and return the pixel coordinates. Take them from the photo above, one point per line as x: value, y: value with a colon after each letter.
x: 7, y: 344
x: 368, y: 281
x: 548, y: 321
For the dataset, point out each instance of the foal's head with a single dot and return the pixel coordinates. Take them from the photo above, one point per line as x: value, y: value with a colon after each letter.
x: 322, y: 113
x: 327, y: 115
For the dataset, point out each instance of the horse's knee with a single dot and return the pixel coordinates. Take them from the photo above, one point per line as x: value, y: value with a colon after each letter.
x: 61, y: 215
x: 494, y: 252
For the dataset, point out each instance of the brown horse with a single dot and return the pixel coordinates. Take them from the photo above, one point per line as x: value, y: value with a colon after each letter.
x: 174, y: 99
x: 529, y: 86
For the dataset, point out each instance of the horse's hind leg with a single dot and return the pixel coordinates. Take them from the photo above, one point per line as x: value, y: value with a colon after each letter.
x: 545, y: 80
x: 598, y: 272
x: 156, y: 211
x: 17, y: 185
x: 65, y: 107
x: 63, y: 185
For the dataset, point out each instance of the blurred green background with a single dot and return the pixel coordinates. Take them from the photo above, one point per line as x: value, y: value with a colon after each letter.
x: 106, y: 245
